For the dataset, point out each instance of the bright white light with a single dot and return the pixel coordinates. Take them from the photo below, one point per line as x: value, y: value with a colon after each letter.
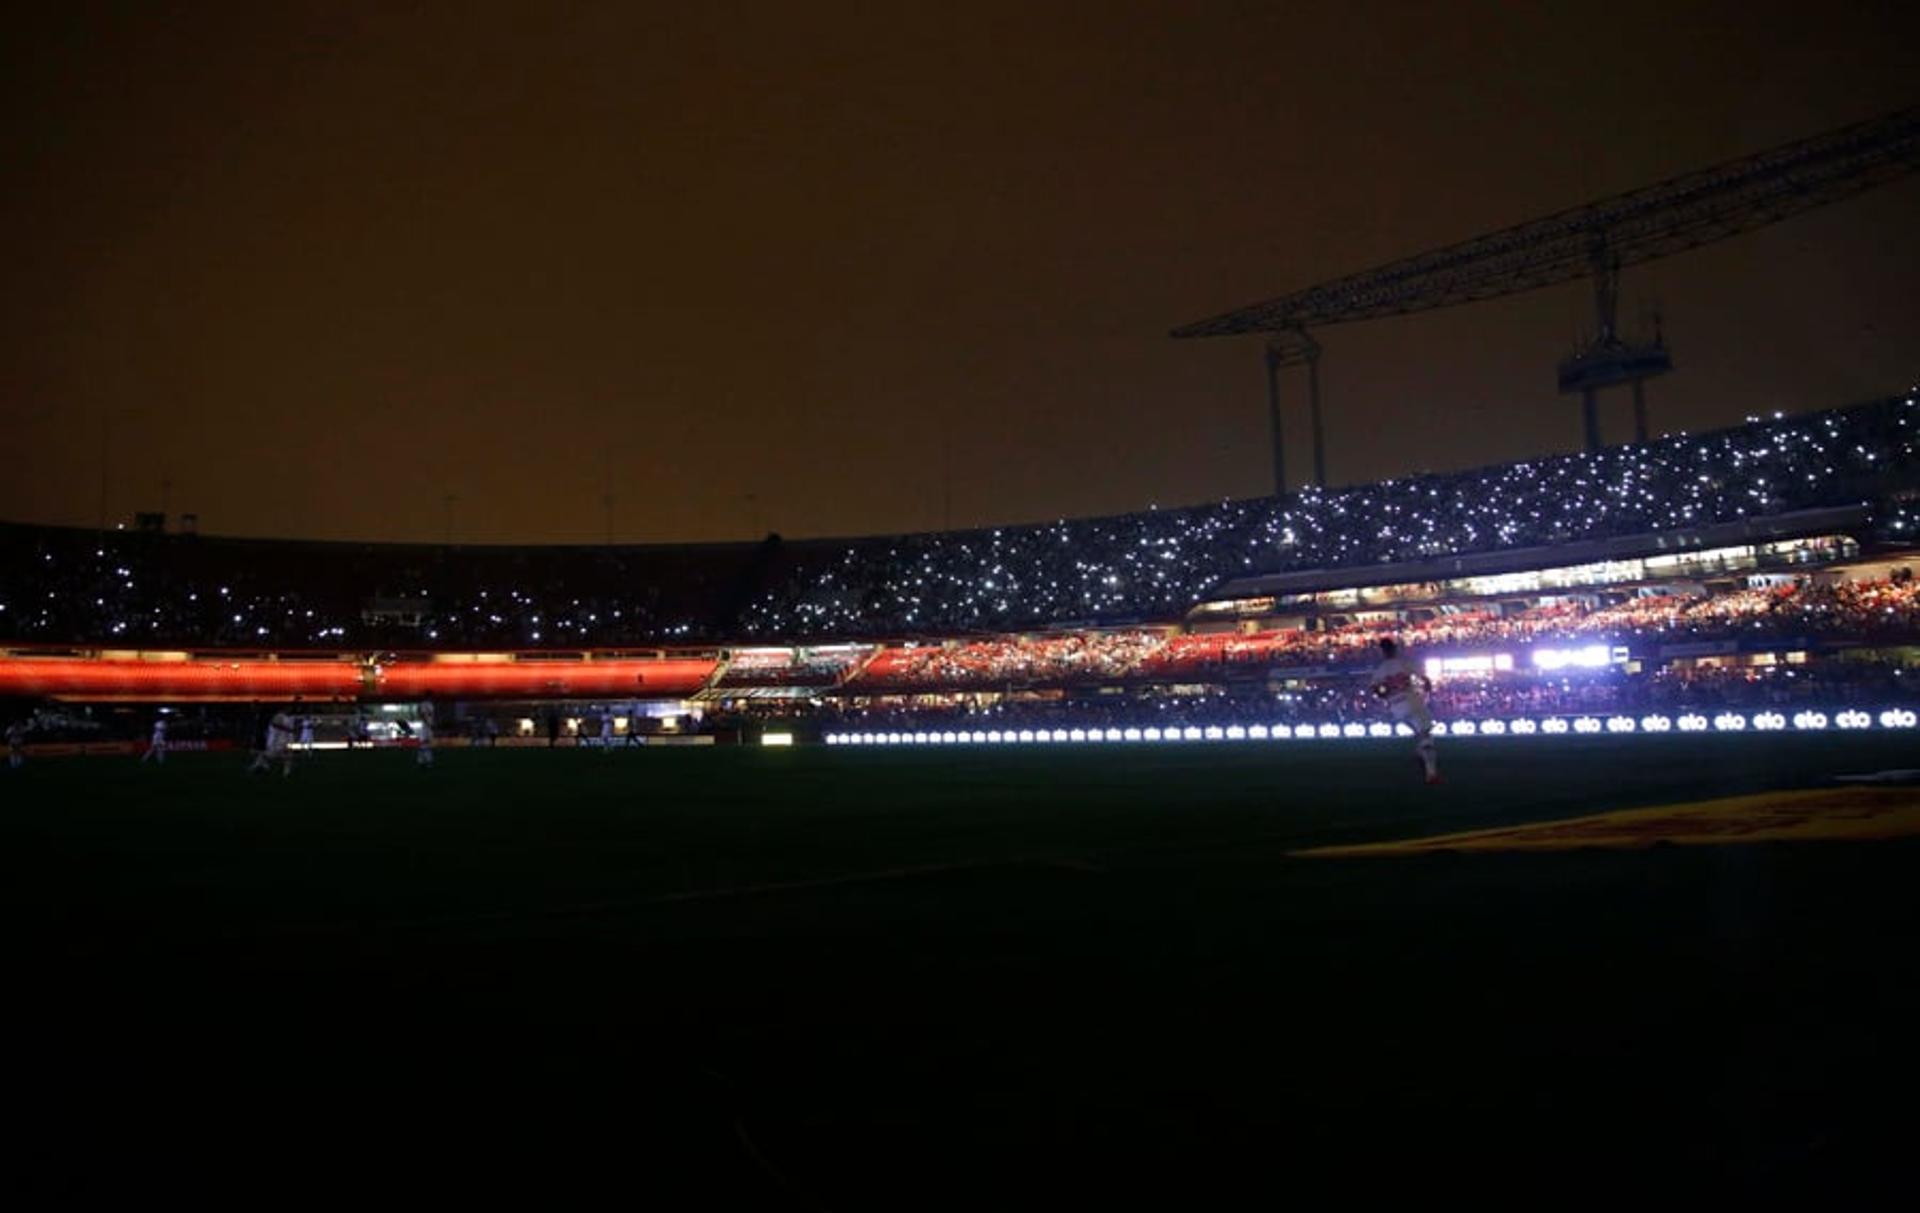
x: 1769, y: 721
x: 1853, y: 719
x: 1354, y: 730
x: 1236, y: 733
x: 1525, y: 728
x: 1586, y: 724
x: 993, y: 736
x: 1553, y: 725
x: 778, y: 739
x: 1403, y: 730
x: 1898, y: 718
x: 1809, y: 720
x: 1026, y: 735
x: 1620, y: 724
x: 1379, y: 729
x: 1280, y: 732
x: 1589, y: 657
x: 1191, y: 733
x: 1258, y: 732
x: 1150, y: 734
x: 1730, y: 722
x: 1133, y: 735
x: 1493, y: 728
x: 1461, y: 728
x: 1692, y: 723
x: 1329, y: 730
x: 1059, y: 734
x: 1170, y: 735
x: 1115, y: 735
x: 1214, y: 732
x: 1077, y: 735
x: 1655, y: 724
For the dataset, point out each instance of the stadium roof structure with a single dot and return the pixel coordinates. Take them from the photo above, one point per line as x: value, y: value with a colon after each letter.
x: 1640, y: 225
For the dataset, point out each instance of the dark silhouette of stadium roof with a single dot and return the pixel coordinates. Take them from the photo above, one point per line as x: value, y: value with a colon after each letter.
x: 1675, y: 215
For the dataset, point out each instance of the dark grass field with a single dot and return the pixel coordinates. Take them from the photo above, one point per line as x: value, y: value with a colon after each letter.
x: 958, y: 978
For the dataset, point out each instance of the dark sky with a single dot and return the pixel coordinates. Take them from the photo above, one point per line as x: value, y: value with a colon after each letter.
x: 784, y: 266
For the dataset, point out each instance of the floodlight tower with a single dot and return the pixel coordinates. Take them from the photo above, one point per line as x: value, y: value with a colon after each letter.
x: 1608, y: 361
x: 1292, y: 347
x: 1591, y: 241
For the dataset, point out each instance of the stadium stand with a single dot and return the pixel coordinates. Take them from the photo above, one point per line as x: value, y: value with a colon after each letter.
x: 1108, y: 602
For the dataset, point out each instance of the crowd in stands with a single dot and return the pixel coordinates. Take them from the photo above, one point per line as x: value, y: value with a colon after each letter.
x: 1867, y: 612
x: 79, y: 586
x: 793, y: 667
x: 1154, y: 564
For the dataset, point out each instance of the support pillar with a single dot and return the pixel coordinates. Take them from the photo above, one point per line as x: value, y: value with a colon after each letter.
x: 1273, y: 417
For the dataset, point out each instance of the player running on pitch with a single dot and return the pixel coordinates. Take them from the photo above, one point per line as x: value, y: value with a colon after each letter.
x: 279, y: 745
x: 157, y: 744
x: 1398, y: 681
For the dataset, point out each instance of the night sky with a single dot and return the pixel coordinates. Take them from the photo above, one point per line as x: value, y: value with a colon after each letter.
x: 884, y: 267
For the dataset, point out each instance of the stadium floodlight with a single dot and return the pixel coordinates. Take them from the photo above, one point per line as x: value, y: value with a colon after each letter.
x: 1258, y: 732
x: 1493, y: 728
x: 1730, y: 722
x: 1554, y: 724
x: 1769, y: 721
x: 1809, y: 720
x: 1354, y: 730
x: 1853, y: 719
x: 1898, y: 718
x: 1524, y: 727
x: 1379, y: 729
x: 1655, y: 724
x: 1620, y: 724
x: 1236, y: 733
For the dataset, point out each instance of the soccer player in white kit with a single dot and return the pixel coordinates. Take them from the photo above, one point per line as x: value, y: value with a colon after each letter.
x: 1399, y: 681
x: 280, y: 733
x: 157, y: 744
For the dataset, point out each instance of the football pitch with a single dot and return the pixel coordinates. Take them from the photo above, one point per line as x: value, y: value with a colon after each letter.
x: 835, y: 978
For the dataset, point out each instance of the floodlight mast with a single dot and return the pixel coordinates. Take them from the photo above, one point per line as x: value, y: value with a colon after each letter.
x: 1294, y: 348
x: 1595, y: 241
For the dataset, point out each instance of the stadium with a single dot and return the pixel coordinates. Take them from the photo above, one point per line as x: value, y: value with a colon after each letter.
x: 1065, y: 861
